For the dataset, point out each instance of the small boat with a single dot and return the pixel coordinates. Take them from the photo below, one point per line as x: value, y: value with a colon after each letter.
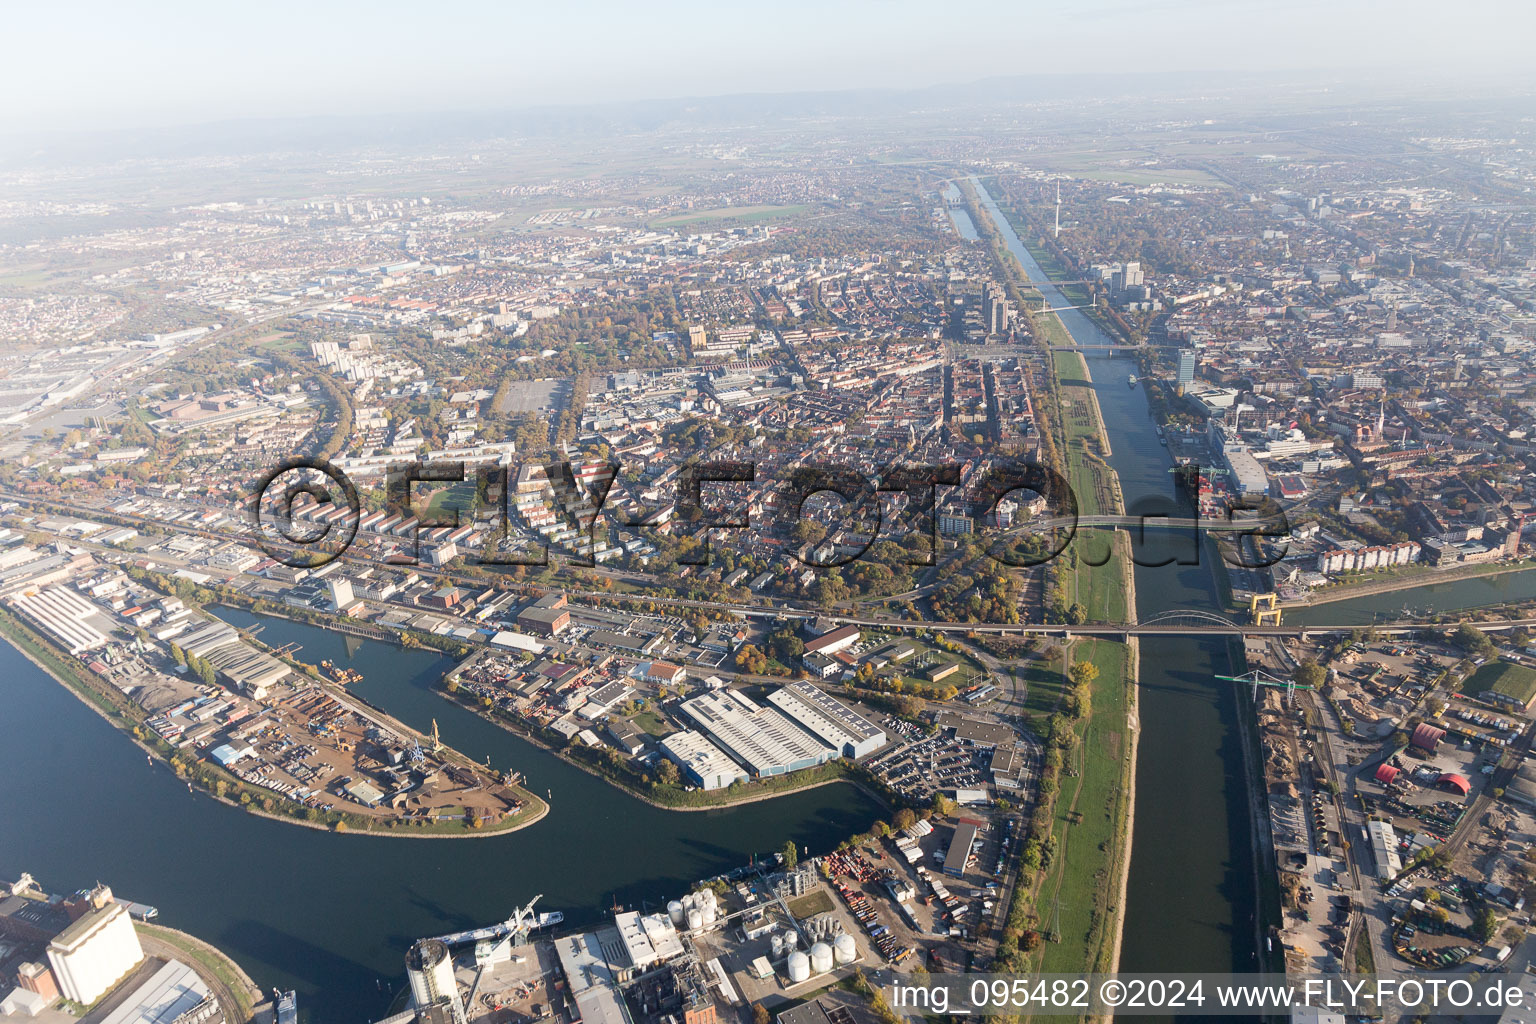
x: 1131, y: 380
x: 189, y: 787
x: 550, y: 919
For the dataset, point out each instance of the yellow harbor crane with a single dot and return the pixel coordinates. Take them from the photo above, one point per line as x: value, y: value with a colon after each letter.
x: 1270, y: 610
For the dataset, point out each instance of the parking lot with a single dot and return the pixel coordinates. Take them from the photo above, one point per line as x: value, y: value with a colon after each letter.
x: 923, y: 765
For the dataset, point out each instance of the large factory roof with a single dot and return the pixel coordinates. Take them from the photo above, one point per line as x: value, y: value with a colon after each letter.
x: 65, y: 615
x: 588, y: 964
x: 982, y: 734
x: 825, y: 715
x: 245, y: 666
x: 584, y: 961
x: 170, y: 992
x: 648, y: 940
x: 960, y: 849
x: 762, y: 738
x: 1384, y: 848
x: 707, y: 762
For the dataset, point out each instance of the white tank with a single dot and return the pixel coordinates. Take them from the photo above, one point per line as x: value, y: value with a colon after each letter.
x: 777, y: 942
x: 676, y: 912
x: 791, y: 940
x: 695, y: 920
x: 843, y: 949
x: 821, y: 958
x: 429, y: 969
x: 709, y: 915
x: 799, y: 967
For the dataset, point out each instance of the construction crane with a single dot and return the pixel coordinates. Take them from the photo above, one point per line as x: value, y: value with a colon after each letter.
x: 518, y: 926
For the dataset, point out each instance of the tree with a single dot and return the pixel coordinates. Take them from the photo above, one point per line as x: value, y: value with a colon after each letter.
x: 1309, y: 674
x: 760, y: 1014
x: 750, y: 659
x: 667, y: 772
x: 1484, y: 924
x: 1472, y: 640
x: 791, y: 854
x: 943, y: 806
x: 904, y: 818
x: 1082, y: 673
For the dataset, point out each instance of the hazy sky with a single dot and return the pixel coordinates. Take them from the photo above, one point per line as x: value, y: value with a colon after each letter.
x: 100, y: 63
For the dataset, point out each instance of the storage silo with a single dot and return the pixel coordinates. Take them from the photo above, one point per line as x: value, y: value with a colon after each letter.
x: 843, y: 949
x: 695, y: 919
x: 821, y: 958
x: 429, y: 969
x: 777, y: 943
x: 709, y: 915
x: 799, y: 967
x: 676, y: 913
x: 791, y: 940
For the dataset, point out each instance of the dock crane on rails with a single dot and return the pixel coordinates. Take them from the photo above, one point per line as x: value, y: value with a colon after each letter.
x: 1258, y: 677
x: 519, y: 925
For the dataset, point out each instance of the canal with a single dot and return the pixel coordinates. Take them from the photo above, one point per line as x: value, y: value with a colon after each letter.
x: 332, y: 915
x: 1192, y: 900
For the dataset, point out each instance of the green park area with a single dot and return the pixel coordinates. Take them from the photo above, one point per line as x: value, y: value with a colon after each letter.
x: 1506, y: 679
x: 443, y: 503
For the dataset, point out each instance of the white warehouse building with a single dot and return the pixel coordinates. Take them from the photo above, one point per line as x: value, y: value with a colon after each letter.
x: 764, y: 739
x: 849, y: 732
x: 704, y: 763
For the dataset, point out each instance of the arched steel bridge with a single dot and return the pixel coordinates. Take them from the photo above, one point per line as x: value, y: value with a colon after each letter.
x: 1189, y: 618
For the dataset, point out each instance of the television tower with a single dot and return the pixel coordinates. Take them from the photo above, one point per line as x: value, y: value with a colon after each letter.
x: 1058, y: 210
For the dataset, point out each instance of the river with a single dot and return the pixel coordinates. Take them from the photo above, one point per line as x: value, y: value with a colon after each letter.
x: 1429, y: 599
x: 332, y: 915
x: 1192, y: 900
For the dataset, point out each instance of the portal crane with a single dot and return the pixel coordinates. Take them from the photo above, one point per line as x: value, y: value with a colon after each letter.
x: 518, y: 926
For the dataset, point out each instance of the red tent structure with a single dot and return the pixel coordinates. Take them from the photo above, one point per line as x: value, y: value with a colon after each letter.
x: 1451, y: 780
x: 1426, y: 736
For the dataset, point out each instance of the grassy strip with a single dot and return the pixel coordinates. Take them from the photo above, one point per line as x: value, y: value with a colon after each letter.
x: 1079, y: 892
x: 215, y: 963
x: 1100, y: 589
